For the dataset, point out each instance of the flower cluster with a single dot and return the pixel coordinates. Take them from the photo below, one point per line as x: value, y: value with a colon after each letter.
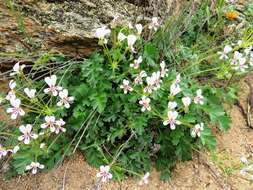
x: 240, y: 58
x: 153, y: 83
x: 32, y: 102
x: 103, y: 32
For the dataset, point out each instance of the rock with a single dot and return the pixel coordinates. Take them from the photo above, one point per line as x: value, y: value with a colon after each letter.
x: 67, y: 26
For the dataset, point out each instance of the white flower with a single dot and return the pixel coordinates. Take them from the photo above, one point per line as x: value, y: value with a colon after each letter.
x: 102, y: 32
x: 156, y: 79
x: 137, y: 63
x: 18, y: 69
x: 126, y: 87
x: 150, y: 85
x: 244, y: 160
x: 65, y: 100
x: 236, y: 58
x: 12, y: 84
x: 139, y: 28
x: 154, y: 24
x: 121, y: 36
x: 104, y: 174
x: 172, y: 120
x: 144, y: 179
x: 237, y: 55
x: 34, y: 166
x: 3, y: 151
x: 174, y: 89
x: 15, y: 149
x: 27, y: 134
x: 10, y: 95
x: 196, y: 131
x: 51, y: 82
x: 131, y: 39
x: 227, y: 49
x: 50, y: 123
x: 30, y: 92
x: 186, y: 101
x: 15, y: 110
x: 145, y: 103
x: 241, y: 66
x: 163, y: 69
x: 199, y: 99
x: 243, y: 172
x: 138, y: 79
x: 59, y: 123
x: 153, y: 82
x: 172, y: 105
x: 42, y: 145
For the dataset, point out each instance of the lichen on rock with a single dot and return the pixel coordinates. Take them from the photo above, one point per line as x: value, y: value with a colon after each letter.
x: 68, y: 26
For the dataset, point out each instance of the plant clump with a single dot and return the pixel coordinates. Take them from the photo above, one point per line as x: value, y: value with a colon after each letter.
x: 141, y: 99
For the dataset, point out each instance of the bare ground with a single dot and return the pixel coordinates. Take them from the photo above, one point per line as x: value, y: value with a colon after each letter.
x: 207, y: 171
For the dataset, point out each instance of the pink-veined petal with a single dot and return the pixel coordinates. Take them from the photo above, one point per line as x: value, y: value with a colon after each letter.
x: 27, y: 140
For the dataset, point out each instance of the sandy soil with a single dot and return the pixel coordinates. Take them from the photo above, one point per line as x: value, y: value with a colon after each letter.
x: 207, y: 171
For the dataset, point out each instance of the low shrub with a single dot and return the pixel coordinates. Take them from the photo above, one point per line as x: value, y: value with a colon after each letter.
x: 140, y: 100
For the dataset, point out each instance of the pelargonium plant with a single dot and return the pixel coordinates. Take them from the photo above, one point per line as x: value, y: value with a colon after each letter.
x: 135, y: 108
x: 130, y: 106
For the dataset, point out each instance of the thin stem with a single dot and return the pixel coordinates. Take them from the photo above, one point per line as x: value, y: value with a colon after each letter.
x: 129, y: 171
x: 121, y: 149
x: 5, y: 133
x: 229, y: 81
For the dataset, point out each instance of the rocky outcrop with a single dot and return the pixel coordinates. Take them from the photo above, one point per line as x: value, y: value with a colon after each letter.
x: 67, y: 26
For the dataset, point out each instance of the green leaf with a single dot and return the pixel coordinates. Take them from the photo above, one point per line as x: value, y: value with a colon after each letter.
x: 224, y: 123
x: 176, y: 135
x: 116, y: 133
x: 189, y: 118
x: 138, y: 124
x: 183, y: 149
x: 207, y: 138
x: 150, y: 54
x: 99, y: 101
